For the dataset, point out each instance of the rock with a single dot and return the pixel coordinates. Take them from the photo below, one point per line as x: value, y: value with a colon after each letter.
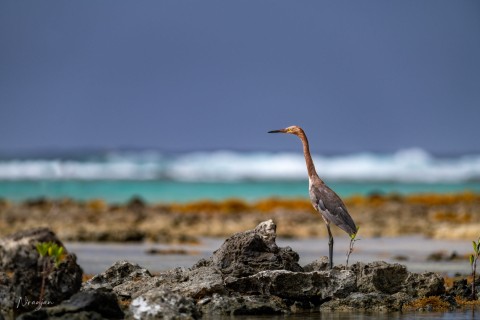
x: 200, y: 282
x: 104, y: 303
x: 248, y: 275
x: 21, y: 270
x: 242, y: 254
x: 360, y: 301
x: 131, y: 289
x: 194, y: 283
x: 163, y: 304
x: 242, y: 305
x: 118, y: 273
x: 316, y: 286
x: 17, y: 251
x: 129, y: 281
x: 400, y: 257
x: 444, y: 256
x: 424, y: 285
x: 386, y: 287
x: 247, y: 253
x: 125, y: 279
x: 317, y: 265
x: 7, y: 301
x: 136, y: 203
x: 92, y: 304
x: 461, y: 288
x: 43, y: 314
x: 380, y: 277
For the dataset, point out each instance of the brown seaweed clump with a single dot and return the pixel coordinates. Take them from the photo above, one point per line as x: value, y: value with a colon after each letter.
x: 433, y: 303
x: 446, y: 216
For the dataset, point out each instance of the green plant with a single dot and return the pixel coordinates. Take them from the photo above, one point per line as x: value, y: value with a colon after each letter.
x: 51, y: 254
x: 473, y: 263
x: 353, y: 238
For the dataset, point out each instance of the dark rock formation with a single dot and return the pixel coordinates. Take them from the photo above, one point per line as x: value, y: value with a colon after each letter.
x: 316, y: 286
x: 317, y: 265
x: 21, y: 270
x: 463, y: 288
x: 82, y: 305
x: 247, y: 253
x: 374, y: 301
x: 380, y: 277
x: 424, y: 285
x: 386, y: 287
x: 231, y: 305
x: 119, y: 273
x: 163, y: 304
x: 128, y: 281
x: 248, y: 274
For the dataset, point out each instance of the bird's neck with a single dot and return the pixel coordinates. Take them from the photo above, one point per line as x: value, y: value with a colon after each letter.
x: 308, y: 158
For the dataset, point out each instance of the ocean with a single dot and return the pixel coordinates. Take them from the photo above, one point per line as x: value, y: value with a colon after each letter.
x: 181, y: 177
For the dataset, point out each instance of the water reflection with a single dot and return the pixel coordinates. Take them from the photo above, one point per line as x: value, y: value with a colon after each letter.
x: 467, y: 314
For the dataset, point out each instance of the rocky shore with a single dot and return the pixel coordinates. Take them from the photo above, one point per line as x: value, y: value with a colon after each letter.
x: 451, y: 216
x: 249, y: 274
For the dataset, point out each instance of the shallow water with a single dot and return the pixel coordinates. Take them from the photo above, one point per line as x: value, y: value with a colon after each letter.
x: 168, y: 191
x: 468, y: 314
x: 97, y: 257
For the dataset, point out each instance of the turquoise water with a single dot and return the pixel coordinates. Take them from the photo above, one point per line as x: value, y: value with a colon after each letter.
x: 176, y: 191
x: 162, y: 177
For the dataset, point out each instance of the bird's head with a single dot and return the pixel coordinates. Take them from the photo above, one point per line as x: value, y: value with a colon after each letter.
x: 292, y: 130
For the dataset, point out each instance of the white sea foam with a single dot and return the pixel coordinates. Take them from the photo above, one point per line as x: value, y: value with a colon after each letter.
x: 411, y: 165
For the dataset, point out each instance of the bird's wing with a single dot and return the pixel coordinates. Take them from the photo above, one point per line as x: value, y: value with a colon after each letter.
x: 329, y: 204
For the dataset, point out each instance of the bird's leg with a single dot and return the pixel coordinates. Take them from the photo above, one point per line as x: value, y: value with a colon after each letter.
x: 330, y: 246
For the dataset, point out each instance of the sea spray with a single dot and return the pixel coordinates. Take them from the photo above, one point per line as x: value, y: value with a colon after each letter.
x: 404, y: 166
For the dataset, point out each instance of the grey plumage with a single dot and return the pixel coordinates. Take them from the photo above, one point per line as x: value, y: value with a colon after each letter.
x: 332, y: 208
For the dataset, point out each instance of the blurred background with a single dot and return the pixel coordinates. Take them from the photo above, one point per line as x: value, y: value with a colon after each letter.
x: 125, y: 121
x: 172, y: 100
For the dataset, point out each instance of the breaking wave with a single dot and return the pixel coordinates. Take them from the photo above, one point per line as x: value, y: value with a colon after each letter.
x: 410, y: 165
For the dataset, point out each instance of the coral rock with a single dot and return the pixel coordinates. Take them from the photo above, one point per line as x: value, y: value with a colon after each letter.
x: 250, y: 252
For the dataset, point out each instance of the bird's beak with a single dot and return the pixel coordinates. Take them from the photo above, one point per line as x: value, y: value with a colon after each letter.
x: 278, y: 131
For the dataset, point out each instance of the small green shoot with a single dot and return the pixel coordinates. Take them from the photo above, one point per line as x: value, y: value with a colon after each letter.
x: 52, y: 255
x: 353, y: 238
x: 52, y: 250
x: 473, y: 263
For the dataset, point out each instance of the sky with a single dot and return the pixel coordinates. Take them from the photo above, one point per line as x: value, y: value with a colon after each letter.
x: 207, y: 75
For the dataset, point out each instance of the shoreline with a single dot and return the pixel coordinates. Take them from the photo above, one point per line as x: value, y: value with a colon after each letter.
x: 415, y: 252
x: 436, y: 216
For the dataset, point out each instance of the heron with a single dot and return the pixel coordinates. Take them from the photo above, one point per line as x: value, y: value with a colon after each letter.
x: 324, y: 199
